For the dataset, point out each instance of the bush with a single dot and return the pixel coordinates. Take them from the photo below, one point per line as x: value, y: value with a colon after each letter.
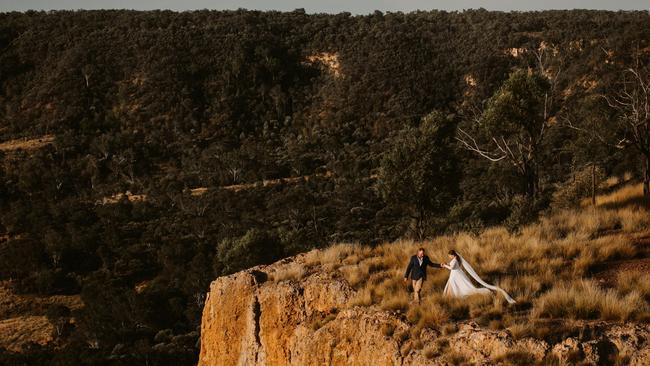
x: 254, y: 248
x: 523, y: 210
x: 419, y: 172
x: 575, y: 189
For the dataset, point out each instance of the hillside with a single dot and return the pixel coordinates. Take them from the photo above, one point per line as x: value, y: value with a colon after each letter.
x: 347, y: 305
x: 144, y: 154
x: 26, y: 319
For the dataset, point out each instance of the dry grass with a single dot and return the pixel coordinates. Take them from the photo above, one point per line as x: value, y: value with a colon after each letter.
x: 633, y: 219
x: 290, y: 272
x: 195, y: 192
x: 198, y: 191
x: 363, y: 297
x: 119, y: 196
x: 627, y: 193
x: 12, y: 304
x: 26, y: 144
x: 270, y: 182
x: 586, y: 300
x: 319, y: 321
x: 23, y: 320
x: 428, y: 314
x: 630, y: 282
x: 614, y: 181
x: 545, y: 267
x: 551, y: 331
x: 16, y: 333
x: 515, y: 357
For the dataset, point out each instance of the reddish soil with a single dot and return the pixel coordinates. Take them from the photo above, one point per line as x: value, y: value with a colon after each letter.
x: 607, y: 276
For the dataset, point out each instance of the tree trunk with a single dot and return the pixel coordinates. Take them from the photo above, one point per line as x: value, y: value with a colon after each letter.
x: 531, y: 182
x: 646, y: 176
x: 420, y: 223
x: 536, y: 181
x: 593, y: 184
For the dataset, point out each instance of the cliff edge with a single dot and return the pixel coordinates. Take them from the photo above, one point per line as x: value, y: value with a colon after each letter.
x: 296, y: 313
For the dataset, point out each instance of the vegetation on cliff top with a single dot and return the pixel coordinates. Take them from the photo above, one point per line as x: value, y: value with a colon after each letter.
x: 586, y: 263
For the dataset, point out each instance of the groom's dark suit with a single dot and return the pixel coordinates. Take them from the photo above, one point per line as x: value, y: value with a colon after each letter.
x: 416, y: 271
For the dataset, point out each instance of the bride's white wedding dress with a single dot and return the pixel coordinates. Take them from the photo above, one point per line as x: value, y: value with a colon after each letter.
x: 459, y: 285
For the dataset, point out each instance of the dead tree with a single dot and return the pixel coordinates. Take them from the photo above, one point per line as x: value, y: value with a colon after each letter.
x: 631, y: 101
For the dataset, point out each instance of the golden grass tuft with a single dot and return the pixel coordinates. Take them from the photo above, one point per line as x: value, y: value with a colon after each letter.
x: 515, y: 357
x: 548, y: 330
x: 290, y: 272
x: 355, y: 274
x: 363, y: 297
x: 625, y: 194
x: 633, y: 219
x: 428, y: 314
x: 634, y: 281
x: 584, y: 299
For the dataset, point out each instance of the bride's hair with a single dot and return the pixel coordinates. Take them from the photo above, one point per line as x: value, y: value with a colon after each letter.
x: 453, y: 252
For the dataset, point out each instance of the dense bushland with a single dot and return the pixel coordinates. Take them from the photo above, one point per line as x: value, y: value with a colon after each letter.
x: 342, y: 108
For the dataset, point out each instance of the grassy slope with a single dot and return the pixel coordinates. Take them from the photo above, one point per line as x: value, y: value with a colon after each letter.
x: 554, y: 268
x: 23, y: 317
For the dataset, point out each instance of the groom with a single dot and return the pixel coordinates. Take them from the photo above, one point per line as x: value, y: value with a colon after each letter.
x: 417, y: 271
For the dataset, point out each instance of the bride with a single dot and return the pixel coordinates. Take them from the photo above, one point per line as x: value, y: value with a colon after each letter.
x: 459, y: 285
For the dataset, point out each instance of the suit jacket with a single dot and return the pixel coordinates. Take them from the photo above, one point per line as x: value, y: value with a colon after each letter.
x: 416, y: 271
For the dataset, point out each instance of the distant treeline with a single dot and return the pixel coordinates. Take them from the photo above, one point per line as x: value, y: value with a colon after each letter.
x: 377, y: 110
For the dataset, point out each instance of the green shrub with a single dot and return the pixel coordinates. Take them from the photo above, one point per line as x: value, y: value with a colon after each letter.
x: 253, y: 248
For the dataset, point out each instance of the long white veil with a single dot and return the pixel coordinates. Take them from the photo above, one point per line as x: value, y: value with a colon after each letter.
x: 468, y: 268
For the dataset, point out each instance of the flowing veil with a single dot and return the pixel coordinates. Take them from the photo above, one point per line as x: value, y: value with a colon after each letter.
x: 478, y: 279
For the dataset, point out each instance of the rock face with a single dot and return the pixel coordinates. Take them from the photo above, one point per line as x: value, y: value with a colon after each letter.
x: 254, y: 318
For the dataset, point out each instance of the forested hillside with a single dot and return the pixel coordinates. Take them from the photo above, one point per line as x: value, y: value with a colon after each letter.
x: 146, y: 153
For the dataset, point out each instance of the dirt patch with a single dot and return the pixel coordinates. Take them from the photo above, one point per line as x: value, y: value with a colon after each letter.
x: 275, y: 182
x: 607, y: 273
x: 118, y: 197
x: 199, y: 191
x: 330, y: 61
x: 26, y: 144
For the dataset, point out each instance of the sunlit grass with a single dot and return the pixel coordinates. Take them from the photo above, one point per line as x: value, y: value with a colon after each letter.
x: 627, y: 193
x: 586, y: 300
x: 635, y: 281
x: 291, y: 272
x: 545, y: 267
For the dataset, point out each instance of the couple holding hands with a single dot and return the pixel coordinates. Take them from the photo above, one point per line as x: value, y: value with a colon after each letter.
x: 458, y: 284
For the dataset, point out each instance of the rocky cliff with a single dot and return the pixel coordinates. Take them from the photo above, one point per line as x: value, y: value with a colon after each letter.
x: 285, y: 314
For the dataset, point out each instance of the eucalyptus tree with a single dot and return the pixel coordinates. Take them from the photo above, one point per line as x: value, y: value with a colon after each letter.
x: 419, y: 172
x: 513, y: 126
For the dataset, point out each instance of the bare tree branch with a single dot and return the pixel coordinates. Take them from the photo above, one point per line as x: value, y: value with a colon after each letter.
x: 472, y: 145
